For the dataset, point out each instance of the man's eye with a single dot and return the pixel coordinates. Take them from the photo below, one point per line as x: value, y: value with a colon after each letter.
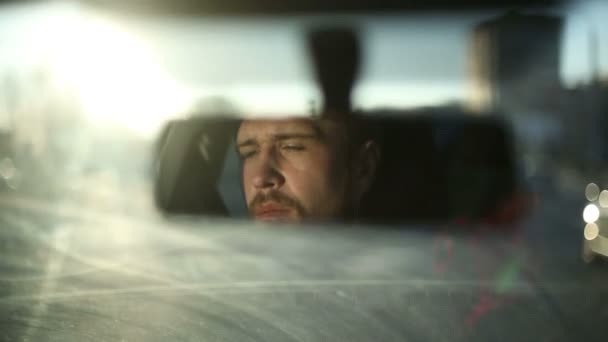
x: 293, y: 147
x: 247, y: 154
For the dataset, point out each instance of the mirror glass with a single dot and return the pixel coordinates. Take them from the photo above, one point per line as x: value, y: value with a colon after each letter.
x: 383, y: 167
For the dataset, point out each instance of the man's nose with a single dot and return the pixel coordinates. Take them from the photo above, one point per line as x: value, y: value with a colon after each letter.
x: 267, y: 174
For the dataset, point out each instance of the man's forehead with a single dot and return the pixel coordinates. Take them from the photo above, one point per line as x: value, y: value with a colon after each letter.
x: 260, y: 128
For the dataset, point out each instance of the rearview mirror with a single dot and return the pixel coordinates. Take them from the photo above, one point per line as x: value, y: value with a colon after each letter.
x: 434, y: 168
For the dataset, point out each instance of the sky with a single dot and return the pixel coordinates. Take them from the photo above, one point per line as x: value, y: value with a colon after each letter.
x: 140, y: 71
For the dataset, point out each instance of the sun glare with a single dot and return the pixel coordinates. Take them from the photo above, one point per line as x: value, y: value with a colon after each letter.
x: 114, y: 76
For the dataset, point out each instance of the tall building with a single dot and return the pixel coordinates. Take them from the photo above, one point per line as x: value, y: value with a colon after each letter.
x: 514, y: 69
x: 514, y: 62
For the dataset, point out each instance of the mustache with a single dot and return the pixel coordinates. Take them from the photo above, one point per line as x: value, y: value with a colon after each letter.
x: 277, y: 197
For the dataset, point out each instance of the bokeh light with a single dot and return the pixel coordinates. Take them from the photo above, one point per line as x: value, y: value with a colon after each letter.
x: 591, y: 213
x: 592, y: 191
x: 604, y: 199
x: 591, y: 231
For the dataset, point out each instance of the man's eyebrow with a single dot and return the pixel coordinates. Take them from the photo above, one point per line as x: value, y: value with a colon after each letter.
x: 317, y: 133
x: 279, y: 137
x: 287, y: 136
x: 248, y: 142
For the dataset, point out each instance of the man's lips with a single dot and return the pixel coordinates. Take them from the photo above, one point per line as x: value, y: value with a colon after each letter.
x: 271, y: 211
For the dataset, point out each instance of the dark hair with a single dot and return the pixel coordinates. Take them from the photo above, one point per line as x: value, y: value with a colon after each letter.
x: 359, y: 130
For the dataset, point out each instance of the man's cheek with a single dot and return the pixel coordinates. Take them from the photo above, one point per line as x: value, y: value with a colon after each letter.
x: 313, y: 157
x: 300, y: 163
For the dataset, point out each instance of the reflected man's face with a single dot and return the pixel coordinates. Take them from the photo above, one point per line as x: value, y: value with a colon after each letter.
x: 294, y: 169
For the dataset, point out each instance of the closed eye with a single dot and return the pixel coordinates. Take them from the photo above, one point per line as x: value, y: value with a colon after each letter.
x: 293, y: 147
x: 247, y: 154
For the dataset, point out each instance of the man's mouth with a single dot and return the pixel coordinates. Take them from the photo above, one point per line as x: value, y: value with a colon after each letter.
x: 272, y: 211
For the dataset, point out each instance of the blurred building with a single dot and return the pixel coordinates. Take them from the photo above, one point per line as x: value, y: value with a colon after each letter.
x: 514, y: 62
x: 515, y: 70
x: 585, y: 123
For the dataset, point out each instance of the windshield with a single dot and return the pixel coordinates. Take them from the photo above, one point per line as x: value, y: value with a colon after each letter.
x: 158, y: 167
x: 73, y: 72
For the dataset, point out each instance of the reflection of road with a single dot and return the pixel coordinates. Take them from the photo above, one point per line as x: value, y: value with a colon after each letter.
x: 68, y: 270
x: 102, y: 193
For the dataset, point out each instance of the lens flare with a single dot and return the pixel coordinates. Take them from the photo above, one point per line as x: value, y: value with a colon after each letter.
x: 591, y: 213
x: 591, y: 231
x: 604, y: 199
x: 592, y: 191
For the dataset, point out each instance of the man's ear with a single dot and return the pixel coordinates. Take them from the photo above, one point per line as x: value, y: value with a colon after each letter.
x: 365, y: 166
